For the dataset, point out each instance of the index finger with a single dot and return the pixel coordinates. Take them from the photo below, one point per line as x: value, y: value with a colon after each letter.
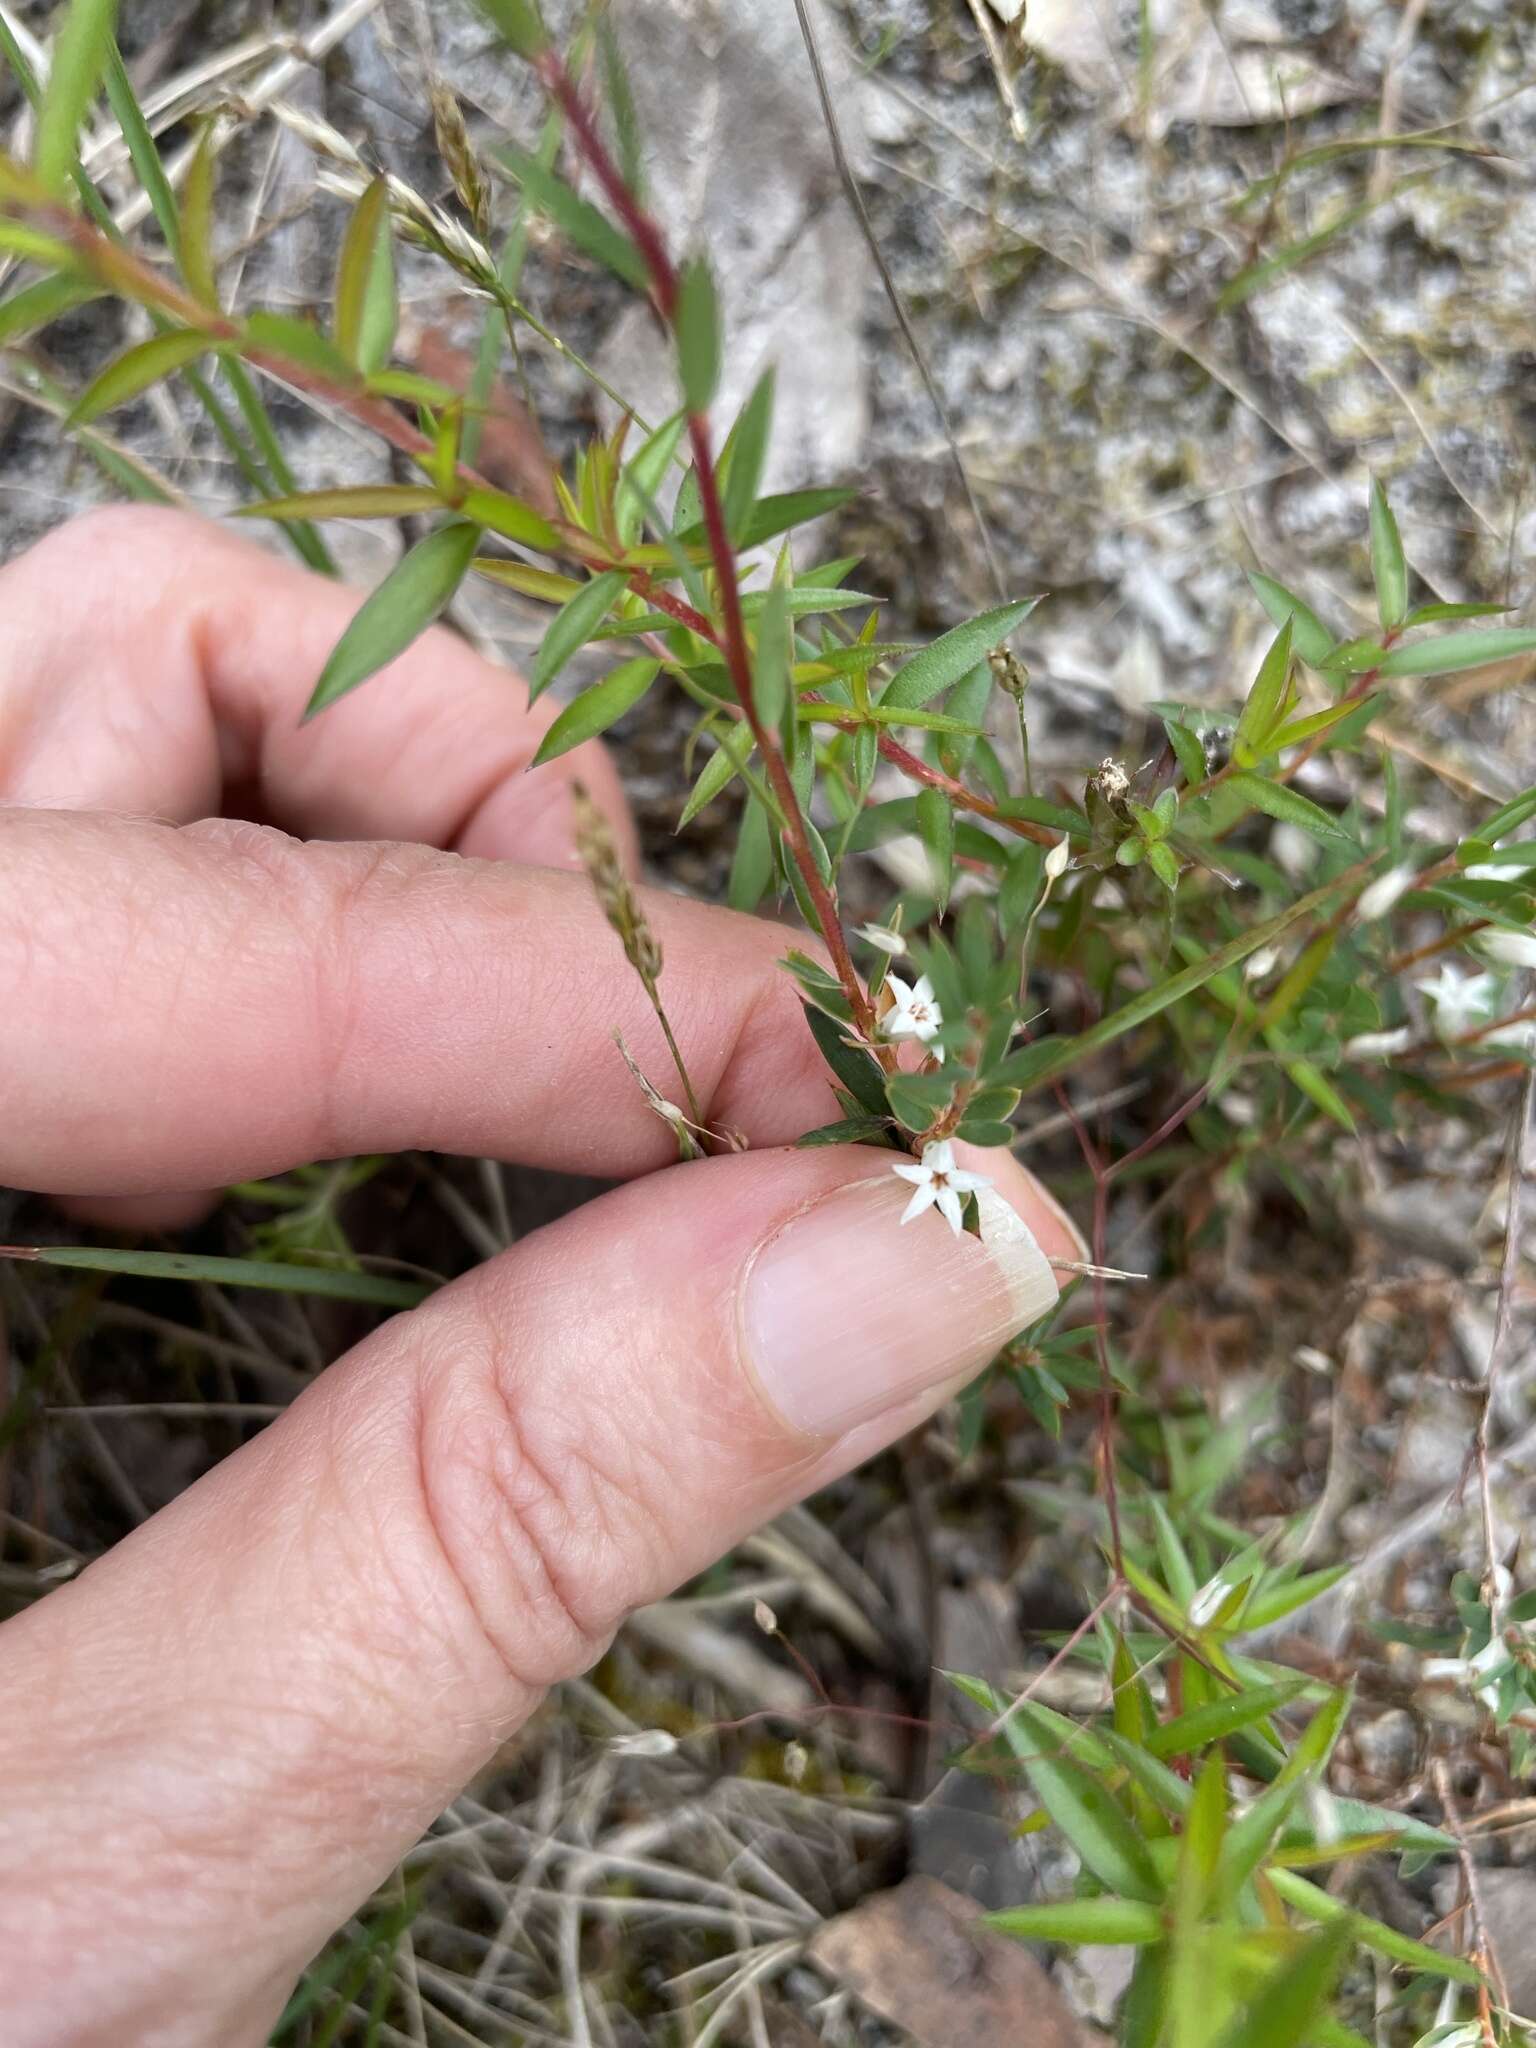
x: 154, y: 662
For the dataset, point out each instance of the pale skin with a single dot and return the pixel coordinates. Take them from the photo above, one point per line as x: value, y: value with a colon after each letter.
x: 223, y: 1735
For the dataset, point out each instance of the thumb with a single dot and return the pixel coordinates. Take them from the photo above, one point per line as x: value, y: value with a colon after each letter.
x: 245, y: 1714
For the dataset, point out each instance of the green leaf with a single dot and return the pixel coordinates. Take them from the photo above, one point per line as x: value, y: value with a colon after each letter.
x: 643, y: 476
x: 752, y: 863
x: 621, y: 105
x: 1266, y: 700
x: 849, y: 1130
x: 1250, y: 1835
x: 573, y: 625
x: 518, y: 23
x: 576, y: 218
x: 936, y: 829
x: 1036, y: 811
x: 700, y: 338
x: 390, y: 618
x: 1108, y: 1923
x: 288, y: 339
x: 1165, y: 1788
x: 35, y: 305
x: 1186, y: 746
x: 1286, y: 804
x: 1283, y: 2012
x: 1273, y: 1603
x: 777, y: 514
x: 1389, y: 565
x: 366, y: 312
x: 136, y: 370
x: 946, y: 660
x: 1456, y: 651
x: 1435, y: 614
x: 349, y: 501
x: 743, y: 456
x: 1311, y: 638
x: 79, y: 55
x: 856, y: 1071
x: 1321, y: 1906
x: 1164, y: 863
x: 598, y: 707
x: 195, y: 221
x: 509, y: 517
x: 1096, y: 1825
x: 770, y: 666
x: 1034, y: 1065
x: 335, y: 1281
x: 718, y: 771
x: 1190, y: 1732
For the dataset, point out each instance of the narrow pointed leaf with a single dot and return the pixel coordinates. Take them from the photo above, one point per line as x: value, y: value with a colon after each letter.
x: 854, y: 1069
x: 390, y: 618
x: 333, y: 1281
x: 1096, y: 1825
x: 745, y: 453
x: 79, y: 56
x: 195, y: 221
x: 136, y: 370
x: 936, y: 829
x: 1310, y: 637
x: 1389, y: 566
x: 598, y: 708
x: 573, y: 625
x: 1266, y: 700
x: 1316, y: 1904
x: 718, y: 771
x: 1280, y: 801
x: 348, y: 501
x: 365, y: 315
x: 1283, y: 2012
x: 1221, y: 1718
x: 949, y: 657
x: 700, y: 339
x: 578, y: 220
x: 1457, y: 651
x: 1109, y: 1923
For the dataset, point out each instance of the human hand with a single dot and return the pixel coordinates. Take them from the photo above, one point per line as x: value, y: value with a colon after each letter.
x: 219, y: 1738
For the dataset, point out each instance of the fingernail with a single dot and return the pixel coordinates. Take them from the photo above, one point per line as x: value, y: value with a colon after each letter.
x: 848, y: 1312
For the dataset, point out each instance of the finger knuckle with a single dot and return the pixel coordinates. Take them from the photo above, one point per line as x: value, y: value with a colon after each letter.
x: 538, y: 1507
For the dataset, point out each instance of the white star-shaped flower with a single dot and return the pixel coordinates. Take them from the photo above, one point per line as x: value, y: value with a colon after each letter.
x: 1461, y: 1000
x: 915, y: 1011
x: 940, y: 1183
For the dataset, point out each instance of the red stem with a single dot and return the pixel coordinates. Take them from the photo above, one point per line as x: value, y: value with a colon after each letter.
x: 646, y: 236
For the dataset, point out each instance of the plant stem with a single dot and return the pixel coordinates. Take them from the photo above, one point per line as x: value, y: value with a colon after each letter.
x: 646, y: 235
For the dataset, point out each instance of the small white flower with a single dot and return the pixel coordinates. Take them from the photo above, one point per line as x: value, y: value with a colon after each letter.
x: 1057, y: 859
x: 1379, y: 898
x: 882, y: 936
x: 1461, y: 1000
x: 1258, y: 964
x: 644, y: 1742
x: 765, y: 1617
x: 940, y: 1183
x: 1510, y: 949
x: 1378, y: 1045
x: 914, y: 1012
x: 1491, y: 871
